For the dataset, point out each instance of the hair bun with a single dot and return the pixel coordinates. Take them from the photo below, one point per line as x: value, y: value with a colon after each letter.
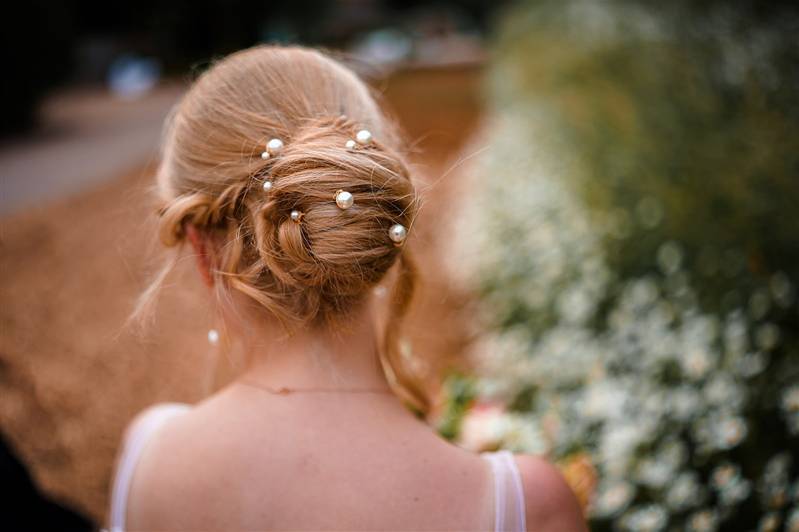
x: 335, y: 253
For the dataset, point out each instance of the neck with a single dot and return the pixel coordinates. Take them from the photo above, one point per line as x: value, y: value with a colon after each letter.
x: 344, y: 359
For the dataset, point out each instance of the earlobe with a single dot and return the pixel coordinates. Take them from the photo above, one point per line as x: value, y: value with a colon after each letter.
x: 199, y: 243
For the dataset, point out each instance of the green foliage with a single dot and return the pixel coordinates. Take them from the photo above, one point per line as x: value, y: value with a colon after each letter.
x: 459, y: 393
x: 640, y: 252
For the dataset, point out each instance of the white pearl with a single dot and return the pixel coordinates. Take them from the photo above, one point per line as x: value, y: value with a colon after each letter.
x: 363, y: 137
x: 350, y: 145
x: 397, y: 233
x: 344, y: 199
x: 213, y: 337
x: 265, y: 155
x: 267, y: 185
x: 274, y: 146
x: 295, y: 215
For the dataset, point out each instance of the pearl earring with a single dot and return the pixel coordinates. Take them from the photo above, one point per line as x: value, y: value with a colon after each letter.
x: 344, y: 199
x: 213, y: 337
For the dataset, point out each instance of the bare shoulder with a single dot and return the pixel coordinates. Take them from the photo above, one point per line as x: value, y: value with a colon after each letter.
x: 160, y: 468
x: 550, y: 502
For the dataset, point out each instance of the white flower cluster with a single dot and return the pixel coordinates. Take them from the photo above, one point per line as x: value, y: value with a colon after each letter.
x: 656, y: 388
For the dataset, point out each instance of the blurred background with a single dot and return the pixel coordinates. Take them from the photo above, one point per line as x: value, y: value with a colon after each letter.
x: 609, y: 238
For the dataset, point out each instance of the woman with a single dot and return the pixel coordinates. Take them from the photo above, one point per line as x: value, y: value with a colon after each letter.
x: 288, y: 183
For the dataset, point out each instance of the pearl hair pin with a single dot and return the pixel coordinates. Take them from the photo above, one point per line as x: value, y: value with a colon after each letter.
x: 397, y: 233
x: 273, y: 147
x: 213, y: 337
x: 363, y: 137
x: 344, y: 199
x: 296, y: 216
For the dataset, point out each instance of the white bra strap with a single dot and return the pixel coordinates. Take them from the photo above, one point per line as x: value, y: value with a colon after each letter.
x: 136, y: 438
x: 509, y: 514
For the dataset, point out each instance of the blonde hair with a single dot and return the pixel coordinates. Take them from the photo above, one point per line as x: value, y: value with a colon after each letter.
x: 309, y: 274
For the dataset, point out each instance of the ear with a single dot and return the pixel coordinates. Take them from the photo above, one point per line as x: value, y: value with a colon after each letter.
x: 199, y: 242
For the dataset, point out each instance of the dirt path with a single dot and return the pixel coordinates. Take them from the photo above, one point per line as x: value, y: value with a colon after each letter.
x: 71, y: 375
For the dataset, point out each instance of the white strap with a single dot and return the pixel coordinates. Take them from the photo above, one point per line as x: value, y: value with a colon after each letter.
x: 509, y: 514
x: 499, y: 491
x: 136, y: 438
x: 518, y: 492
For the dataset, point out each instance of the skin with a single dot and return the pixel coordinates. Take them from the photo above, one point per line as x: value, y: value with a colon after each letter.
x: 245, y: 459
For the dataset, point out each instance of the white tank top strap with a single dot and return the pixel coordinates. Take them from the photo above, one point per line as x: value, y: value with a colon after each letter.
x: 508, y: 492
x: 138, y: 434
